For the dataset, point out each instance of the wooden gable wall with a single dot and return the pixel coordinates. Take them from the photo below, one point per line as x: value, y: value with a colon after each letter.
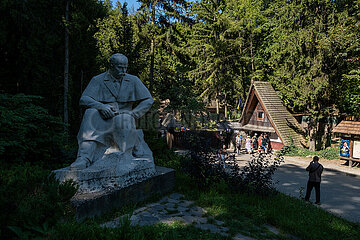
x: 255, y: 117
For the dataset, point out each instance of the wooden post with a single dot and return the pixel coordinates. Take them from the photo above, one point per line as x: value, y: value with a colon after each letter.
x: 351, y: 151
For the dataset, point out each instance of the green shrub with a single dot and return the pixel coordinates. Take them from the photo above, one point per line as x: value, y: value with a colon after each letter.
x: 292, y: 150
x: 207, y: 170
x: 30, y: 197
x: 89, y: 231
x: 329, y: 153
x: 162, y: 155
x: 258, y: 173
x: 28, y: 132
x: 155, y: 142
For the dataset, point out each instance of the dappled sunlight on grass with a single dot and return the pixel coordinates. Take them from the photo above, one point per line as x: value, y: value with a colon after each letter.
x: 295, y: 216
x: 161, y: 231
x: 216, y: 210
x: 339, y: 227
x: 246, y: 214
x: 177, y: 230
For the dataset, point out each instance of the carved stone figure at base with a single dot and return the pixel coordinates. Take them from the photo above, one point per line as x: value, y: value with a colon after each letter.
x: 112, y: 152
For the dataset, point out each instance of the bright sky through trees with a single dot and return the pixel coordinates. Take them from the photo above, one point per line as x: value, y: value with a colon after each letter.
x: 131, y: 3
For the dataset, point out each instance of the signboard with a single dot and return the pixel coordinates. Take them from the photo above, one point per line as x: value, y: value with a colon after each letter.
x: 356, y: 151
x: 344, y: 148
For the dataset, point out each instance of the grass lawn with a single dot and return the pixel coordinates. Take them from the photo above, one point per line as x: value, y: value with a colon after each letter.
x: 90, y: 230
x: 247, y: 214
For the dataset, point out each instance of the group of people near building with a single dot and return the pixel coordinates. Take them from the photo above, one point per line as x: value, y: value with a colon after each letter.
x: 254, y: 144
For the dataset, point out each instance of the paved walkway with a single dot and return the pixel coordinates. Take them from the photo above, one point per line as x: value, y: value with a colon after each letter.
x: 170, y: 209
x: 340, y: 186
x: 174, y: 208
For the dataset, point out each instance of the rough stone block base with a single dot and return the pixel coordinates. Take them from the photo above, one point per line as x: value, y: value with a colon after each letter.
x: 95, y: 204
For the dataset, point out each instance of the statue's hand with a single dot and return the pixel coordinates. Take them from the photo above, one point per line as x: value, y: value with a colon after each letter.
x: 127, y: 112
x: 107, y: 111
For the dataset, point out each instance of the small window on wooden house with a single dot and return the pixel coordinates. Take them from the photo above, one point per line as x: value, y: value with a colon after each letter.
x: 261, y: 116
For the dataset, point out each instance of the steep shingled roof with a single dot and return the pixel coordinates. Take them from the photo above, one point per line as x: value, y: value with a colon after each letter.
x: 348, y: 127
x: 281, y: 119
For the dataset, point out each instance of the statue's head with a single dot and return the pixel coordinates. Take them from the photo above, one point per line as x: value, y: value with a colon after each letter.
x: 118, y: 65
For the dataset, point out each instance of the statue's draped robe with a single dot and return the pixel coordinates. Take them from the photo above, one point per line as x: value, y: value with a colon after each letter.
x: 118, y: 134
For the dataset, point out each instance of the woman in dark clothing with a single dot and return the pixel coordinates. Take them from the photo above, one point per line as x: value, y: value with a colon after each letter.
x: 255, y: 143
x: 268, y: 143
x: 264, y: 143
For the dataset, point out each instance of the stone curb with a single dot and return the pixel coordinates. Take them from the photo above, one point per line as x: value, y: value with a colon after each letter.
x: 330, y: 169
x: 342, y: 172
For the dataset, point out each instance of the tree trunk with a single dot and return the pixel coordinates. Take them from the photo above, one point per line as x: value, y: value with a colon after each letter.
x: 225, y: 108
x: 312, y: 133
x: 81, y: 80
x: 226, y: 111
x: 242, y: 73
x: 217, y: 107
x: 324, y: 133
x: 251, y: 54
x: 152, y: 48
x: 66, y: 68
x: 152, y: 62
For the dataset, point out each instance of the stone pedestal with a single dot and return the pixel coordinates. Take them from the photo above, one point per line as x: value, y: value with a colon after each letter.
x: 97, y: 203
x: 114, y: 171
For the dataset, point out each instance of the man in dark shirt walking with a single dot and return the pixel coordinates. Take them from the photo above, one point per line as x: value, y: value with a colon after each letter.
x: 315, y: 170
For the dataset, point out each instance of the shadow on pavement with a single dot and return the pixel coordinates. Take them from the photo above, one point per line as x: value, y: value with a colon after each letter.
x: 340, y: 194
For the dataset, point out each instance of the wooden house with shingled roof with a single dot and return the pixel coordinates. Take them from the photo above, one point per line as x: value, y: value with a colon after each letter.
x: 350, y: 141
x: 264, y: 112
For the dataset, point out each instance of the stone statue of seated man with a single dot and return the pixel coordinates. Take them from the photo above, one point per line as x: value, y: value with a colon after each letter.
x: 114, y: 99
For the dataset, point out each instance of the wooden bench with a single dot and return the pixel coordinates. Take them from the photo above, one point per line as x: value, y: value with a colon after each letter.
x: 351, y: 160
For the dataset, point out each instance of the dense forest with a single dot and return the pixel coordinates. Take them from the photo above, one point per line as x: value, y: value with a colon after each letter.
x: 184, y: 51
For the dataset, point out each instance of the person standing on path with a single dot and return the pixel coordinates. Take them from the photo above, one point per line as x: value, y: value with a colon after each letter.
x: 315, y: 170
x: 238, y: 143
x: 255, y: 143
x: 260, y: 141
x: 223, y: 155
x: 264, y: 143
x: 248, y: 145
